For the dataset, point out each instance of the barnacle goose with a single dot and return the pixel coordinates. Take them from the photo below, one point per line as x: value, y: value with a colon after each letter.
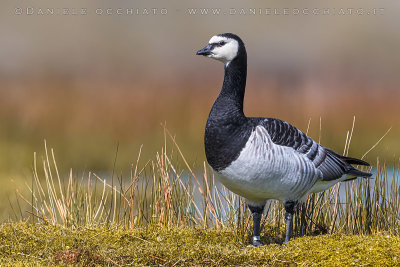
x: 264, y: 158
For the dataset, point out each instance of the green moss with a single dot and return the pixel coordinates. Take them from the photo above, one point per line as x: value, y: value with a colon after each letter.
x: 23, y: 243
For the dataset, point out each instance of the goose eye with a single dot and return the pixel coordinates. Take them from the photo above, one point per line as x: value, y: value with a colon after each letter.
x: 221, y: 43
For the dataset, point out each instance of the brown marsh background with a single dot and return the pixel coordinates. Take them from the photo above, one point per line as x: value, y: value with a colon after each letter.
x: 93, y: 83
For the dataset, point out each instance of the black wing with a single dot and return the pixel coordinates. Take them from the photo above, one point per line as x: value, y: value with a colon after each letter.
x: 331, y: 164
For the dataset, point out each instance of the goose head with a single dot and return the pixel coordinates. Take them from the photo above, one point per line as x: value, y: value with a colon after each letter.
x: 223, y: 47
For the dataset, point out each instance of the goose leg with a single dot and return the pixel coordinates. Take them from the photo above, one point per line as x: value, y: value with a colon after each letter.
x: 257, y: 213
x: 290, y: 206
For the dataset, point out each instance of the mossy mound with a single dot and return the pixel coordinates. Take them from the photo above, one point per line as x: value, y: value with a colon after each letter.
x: 23, y: 243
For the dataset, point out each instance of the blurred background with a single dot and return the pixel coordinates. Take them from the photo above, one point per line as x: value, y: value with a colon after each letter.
x: 89, y: 82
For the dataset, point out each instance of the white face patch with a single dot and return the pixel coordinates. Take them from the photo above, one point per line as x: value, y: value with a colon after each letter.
x: 226, y: 52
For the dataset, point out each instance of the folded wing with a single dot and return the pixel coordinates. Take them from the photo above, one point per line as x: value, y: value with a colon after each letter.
x: 332, y: 165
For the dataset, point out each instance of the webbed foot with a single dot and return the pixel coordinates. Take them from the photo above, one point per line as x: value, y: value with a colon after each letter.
x: 257, y: 243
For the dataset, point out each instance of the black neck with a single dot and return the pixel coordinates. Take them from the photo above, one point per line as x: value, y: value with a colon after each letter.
x: 226, y: 131
x: 230, y: 100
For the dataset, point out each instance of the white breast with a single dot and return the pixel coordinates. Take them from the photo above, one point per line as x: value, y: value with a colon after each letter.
x: 265, y: 170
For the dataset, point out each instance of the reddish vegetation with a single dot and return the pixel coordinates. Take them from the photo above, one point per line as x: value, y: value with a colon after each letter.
x: 131, y: 111
x: 75, y: 256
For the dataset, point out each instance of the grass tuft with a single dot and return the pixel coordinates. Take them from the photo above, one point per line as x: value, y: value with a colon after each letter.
x: 166, y: 214
x: 160, y: 193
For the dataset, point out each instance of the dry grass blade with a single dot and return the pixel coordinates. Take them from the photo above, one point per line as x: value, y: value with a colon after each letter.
x: 160, y: 193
